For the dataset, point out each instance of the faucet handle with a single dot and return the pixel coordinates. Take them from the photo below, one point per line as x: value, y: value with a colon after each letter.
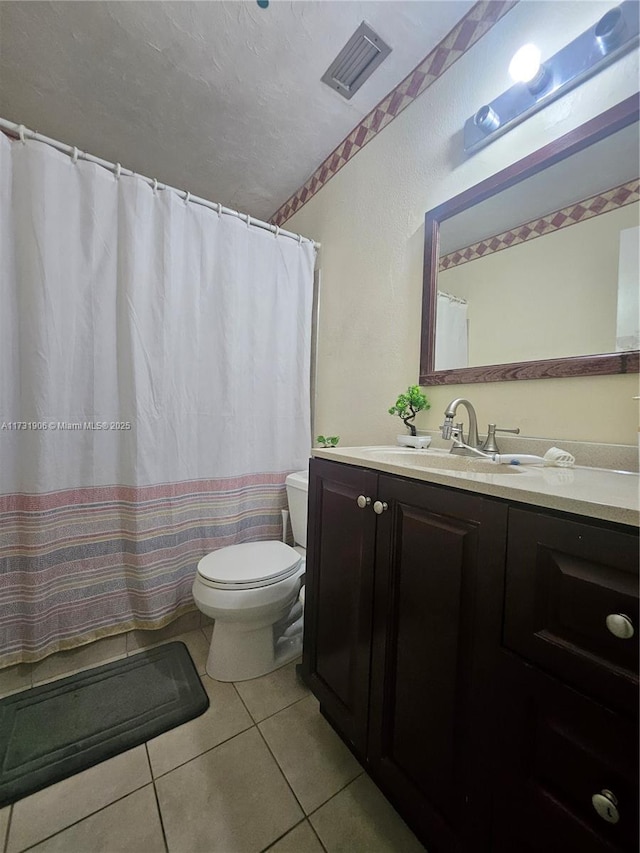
x: 457, y: 435
x: 490, y: 445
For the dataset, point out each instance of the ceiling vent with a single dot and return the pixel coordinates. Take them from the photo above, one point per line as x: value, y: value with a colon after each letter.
x: 356, y: 62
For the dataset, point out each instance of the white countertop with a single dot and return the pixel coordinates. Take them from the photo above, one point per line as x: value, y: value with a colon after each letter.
x: 594, y: 492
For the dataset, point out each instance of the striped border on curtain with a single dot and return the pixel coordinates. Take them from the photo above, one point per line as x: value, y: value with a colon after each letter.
x: 76, y: 564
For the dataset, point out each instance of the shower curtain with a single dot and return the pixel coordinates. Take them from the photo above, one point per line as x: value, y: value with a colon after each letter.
x: 154, y: 394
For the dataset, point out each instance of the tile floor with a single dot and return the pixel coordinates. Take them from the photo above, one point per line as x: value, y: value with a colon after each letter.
x: 260, y: 770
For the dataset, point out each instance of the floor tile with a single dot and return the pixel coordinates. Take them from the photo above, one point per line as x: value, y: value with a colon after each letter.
x: 4, y: 825
x: 301, y: 839
x: 312, y: 756
x: 132, y: 824
x: 231, y: 799
x: 54, y: 808
x: 15, y: 678
x: 143, y: 639
x: 74, y: 660
x: 225, y: 717
x: 272, y: 692
x: 208, y: 632
x: 198, y: 647
x: 193, y: 640
x: 361, y: 818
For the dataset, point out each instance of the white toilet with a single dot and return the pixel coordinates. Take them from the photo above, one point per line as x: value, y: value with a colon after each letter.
x: 252, y: 591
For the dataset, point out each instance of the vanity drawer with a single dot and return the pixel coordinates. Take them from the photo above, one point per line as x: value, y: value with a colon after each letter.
x: 559, y: 751
x: 564, y: 579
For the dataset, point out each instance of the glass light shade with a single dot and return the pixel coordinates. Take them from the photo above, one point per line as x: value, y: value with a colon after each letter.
x: 525, y: 64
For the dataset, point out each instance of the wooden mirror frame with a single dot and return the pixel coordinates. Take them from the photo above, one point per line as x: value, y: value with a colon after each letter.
x: 614, y: 119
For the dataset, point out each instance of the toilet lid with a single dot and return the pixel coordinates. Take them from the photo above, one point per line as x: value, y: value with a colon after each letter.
x: 250, y: 563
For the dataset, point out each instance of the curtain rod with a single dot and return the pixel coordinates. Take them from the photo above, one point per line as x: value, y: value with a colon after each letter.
x: 19, y: 131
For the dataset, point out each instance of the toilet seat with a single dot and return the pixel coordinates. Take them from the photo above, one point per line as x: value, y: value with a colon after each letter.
x: 249, y: 565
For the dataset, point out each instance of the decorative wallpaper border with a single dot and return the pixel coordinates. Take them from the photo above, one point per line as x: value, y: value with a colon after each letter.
x: 469, y: 29
x: 588, y: 208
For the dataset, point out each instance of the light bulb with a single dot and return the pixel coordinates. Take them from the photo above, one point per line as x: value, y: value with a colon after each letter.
x: 525, y: 64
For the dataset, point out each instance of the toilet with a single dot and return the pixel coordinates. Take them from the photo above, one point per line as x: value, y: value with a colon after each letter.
x: 253, y: 592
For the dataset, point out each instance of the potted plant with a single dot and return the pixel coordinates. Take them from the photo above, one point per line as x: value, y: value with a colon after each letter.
x: 328, y: 441
x: 406, y: 408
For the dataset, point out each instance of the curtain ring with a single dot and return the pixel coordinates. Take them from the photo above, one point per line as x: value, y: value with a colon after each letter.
x: 219, y: 209
x: 74, y: 156
x: 117, y: 171
x: 155, y: 185
x: 248, y: 220
x: 299, y: 239
x: 21, y: 130
x: 187, y: 197
x: 277, y: 232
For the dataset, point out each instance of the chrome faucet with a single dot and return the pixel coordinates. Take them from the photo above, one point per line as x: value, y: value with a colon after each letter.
x: 471, y: 446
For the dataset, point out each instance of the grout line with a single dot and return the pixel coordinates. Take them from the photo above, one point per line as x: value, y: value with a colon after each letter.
x: 155, y: 793
x: 280, y: 837
x: 315, y: 832
x: 204, y: 752
x: 287, y: 781
x: 282, y: 773
x: 84, y: 817
x: 269, y: 716
x: 339, y: 791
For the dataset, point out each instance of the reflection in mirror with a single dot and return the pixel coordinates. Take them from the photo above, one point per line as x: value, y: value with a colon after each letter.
x: 540, y: 270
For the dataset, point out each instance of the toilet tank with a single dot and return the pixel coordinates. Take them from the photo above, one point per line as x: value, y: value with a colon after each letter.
x: 297, y: 489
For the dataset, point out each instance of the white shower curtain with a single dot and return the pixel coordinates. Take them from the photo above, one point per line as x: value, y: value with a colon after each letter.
x: 154, y: 393
x: 452, y: 347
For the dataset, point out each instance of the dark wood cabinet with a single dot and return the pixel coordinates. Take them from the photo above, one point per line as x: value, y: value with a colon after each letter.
x: 339, y: 596
x: 460, y: 646
x: 567, y: 699
x: 429, y: 664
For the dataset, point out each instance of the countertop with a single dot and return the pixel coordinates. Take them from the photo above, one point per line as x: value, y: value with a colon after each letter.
x: 594, y: 492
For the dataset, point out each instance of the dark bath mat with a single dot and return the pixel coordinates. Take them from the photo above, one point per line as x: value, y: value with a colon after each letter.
x: 53, y: 731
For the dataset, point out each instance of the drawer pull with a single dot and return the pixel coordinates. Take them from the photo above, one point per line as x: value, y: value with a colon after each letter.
x: 606, y: 805
x: 362, y: 501
x: 380, y: 506
x: 620, y: 626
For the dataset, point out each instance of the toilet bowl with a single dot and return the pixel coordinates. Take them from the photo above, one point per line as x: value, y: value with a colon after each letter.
x: 252, y: 592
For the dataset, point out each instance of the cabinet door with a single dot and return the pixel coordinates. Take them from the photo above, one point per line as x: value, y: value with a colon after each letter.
x: 437, y: 613
x: 339, y: 590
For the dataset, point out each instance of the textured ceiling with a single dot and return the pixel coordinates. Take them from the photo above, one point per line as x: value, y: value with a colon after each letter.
x: 220, y: 98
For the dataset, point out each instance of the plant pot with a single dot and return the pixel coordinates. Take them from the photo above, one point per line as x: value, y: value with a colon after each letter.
x: 417, y: 441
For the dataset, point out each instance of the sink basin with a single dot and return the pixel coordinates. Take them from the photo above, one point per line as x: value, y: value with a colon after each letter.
x: 440, y: 460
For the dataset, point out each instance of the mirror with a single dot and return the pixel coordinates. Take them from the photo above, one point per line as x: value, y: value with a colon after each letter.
x: 534, y: 272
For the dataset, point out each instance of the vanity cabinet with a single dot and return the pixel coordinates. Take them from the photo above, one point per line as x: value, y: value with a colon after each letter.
x: 459, y: 645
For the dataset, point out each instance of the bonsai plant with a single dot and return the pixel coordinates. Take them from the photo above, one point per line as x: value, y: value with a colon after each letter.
x: 408, y: 405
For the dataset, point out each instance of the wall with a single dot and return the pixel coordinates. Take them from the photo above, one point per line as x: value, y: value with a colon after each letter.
x: 565, y: 283
x: 370, y: 220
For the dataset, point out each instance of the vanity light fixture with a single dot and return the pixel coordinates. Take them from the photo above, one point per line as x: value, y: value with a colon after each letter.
x: 525, y: 67
x: 539, y: 83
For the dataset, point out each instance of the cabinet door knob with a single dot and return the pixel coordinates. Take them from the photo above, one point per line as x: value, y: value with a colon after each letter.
x: 606, y: 805
x: 362, y: 501
x: 620, y: 626
x: 380, y: 506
